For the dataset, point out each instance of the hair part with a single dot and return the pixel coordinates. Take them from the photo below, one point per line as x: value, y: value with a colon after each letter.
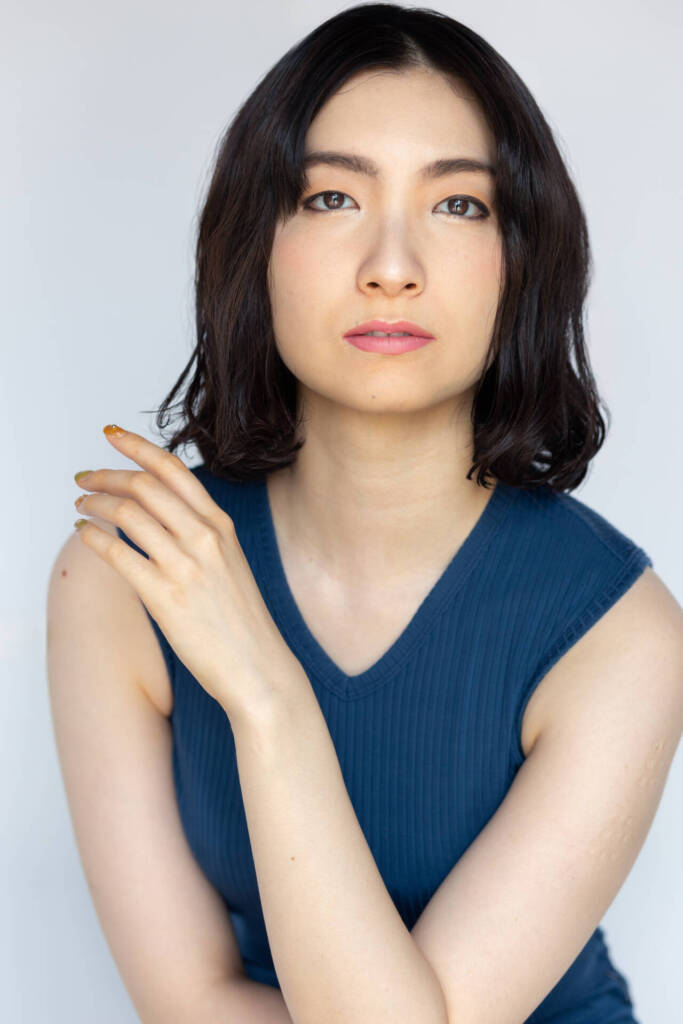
x: 535, y: 414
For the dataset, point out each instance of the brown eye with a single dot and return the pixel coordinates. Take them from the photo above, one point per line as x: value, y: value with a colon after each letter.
x: 459, y: 203
x: 307, y: 204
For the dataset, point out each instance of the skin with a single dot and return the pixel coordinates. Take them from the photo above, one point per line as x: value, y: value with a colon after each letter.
x: 388, y: 437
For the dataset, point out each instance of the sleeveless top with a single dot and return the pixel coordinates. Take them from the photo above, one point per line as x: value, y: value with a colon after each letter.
x: 428, y: 737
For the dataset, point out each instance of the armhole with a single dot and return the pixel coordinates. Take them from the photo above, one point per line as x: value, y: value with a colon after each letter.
x: 166, y: 649
x: 601, y: 602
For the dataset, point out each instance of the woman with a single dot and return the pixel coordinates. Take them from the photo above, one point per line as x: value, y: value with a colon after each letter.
x: 391, y: 734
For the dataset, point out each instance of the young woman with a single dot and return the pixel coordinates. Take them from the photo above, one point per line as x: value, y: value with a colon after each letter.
x: 351, y: 732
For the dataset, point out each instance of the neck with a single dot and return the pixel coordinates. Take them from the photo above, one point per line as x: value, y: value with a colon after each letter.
x: 365, y: 508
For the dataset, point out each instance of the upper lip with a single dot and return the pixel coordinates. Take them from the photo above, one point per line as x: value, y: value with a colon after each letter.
x: 388, y: 326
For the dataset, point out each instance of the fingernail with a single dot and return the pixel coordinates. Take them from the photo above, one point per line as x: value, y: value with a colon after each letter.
x: 80, y: 523
x: 81, y: 473
x: 113, y: 431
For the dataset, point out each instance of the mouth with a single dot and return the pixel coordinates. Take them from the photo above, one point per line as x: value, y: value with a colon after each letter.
x: 387, y: 329
x: 387, y: 344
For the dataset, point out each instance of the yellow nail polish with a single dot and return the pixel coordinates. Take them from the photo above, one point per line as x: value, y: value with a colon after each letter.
x: 113, y: 431
x: 83, y: 472
x: 78, y: 500
x: 80, y: 523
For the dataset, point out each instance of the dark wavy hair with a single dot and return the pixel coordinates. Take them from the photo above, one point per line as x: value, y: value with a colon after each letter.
x: 535, y: 414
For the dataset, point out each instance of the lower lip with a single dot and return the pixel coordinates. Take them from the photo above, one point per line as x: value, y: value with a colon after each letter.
x: 388, y: 346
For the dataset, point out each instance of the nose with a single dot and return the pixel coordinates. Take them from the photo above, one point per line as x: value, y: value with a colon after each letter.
x: 391, y: 264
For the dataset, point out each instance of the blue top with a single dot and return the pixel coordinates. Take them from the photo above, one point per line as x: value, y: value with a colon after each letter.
x: 435, y: 721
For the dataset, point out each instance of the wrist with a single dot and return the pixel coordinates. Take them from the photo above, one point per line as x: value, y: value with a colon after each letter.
x: 268, y: 699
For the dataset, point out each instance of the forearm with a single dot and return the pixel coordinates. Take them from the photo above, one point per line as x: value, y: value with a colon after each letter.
x: 340, y: 948
x: 243, y: 1001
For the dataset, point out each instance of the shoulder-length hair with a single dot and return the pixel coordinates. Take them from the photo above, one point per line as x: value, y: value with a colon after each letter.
x: 535, y: 414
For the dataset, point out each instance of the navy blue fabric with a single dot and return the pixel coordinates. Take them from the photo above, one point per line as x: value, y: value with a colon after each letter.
x: 428, y: 738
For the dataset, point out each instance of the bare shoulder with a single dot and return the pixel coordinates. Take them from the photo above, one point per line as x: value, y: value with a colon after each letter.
x: 124, y: 624
x: 646, y: 615
x: 631, y: 656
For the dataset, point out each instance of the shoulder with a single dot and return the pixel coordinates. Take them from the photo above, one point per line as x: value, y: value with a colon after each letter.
x: 88, y: 598
x: 566, y: 564
x: 564, y: 526
x: 597, y: 610
x: 628, y: 663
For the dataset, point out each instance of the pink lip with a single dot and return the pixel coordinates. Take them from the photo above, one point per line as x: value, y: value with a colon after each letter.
x: 387, y: 346
x: 385, y: 325
x: 416, y: 337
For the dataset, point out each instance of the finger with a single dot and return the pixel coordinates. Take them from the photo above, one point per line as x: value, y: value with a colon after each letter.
x: 167, y: 466
x: 140, y: 572
x: 151, y: 494
x: 142, y: 528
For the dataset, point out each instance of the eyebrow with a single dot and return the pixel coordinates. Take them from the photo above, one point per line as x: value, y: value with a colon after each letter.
x: 430, y: 172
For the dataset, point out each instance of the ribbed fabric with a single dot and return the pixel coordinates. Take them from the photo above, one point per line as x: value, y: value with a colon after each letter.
x: 428, y: 738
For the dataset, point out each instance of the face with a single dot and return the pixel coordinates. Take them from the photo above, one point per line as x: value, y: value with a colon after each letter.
x: 393, y: 246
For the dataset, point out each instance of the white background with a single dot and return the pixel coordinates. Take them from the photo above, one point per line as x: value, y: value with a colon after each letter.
x: 110, y: 115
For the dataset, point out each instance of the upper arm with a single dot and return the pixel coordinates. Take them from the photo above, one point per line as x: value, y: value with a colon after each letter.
x: 167, y: 927
x: 519, y: 906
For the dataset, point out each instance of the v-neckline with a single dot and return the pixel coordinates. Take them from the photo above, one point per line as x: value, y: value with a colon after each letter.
x: 302, y: 641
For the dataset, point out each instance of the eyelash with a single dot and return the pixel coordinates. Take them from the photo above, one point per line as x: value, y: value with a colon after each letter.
x: 306, y: 204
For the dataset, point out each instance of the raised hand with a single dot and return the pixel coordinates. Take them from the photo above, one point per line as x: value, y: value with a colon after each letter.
x: 196, y: 583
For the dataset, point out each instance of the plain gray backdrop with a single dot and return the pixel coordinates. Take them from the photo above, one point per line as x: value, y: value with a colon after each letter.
x: 110, y: 116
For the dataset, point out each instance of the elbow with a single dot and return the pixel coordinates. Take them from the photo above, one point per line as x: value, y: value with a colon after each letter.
x: 435, y: 1008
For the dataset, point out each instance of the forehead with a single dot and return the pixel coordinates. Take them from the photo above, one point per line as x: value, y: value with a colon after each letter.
x: 418, y: 111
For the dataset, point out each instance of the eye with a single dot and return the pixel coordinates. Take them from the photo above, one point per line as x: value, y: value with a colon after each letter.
x: 462, y: 200
x: 307, y: 203
x: 468, y: 201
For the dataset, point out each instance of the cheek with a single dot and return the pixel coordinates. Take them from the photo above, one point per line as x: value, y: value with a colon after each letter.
x: 285, y: 264
x: 291, y: 255
x: 299, y: 294
x: 479, y: 263
x: 299, y: 282
x: 475, y: 276
x: 299, y: 256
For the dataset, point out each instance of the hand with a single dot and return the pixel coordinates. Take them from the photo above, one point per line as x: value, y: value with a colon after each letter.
x: 197, y: 583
